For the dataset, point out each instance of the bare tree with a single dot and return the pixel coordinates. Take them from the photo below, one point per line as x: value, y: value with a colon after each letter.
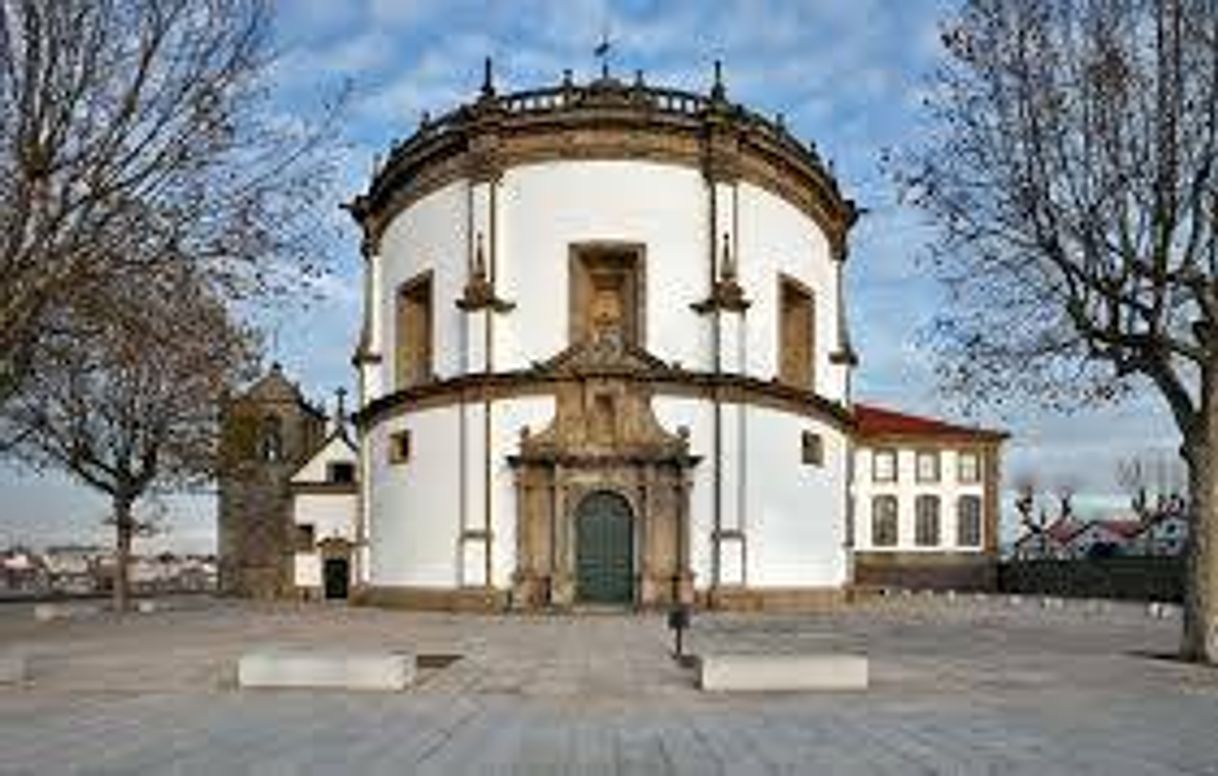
x: 126, y: 398
x: 148, y: 118
x: 1071, y: 170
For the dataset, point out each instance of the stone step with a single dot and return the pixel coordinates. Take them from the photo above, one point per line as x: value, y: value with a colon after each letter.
x: 14, y: 668
x: 783, y: 673
x: 301, y: 668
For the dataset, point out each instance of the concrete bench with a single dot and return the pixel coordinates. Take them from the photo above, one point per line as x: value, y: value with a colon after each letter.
x: 13, y: 668
x: 48, y: 612
x: 301, y: 668
x: 755, y: 673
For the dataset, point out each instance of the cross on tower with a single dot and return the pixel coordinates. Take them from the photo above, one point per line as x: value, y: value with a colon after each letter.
x: 601, y: 52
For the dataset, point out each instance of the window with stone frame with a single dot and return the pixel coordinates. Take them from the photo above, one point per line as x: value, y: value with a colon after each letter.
x: 884, y: 466
x: 926, y: 466
x: 812, y: 447
x: 399, y: 446
x: 968, y: 521
x: 968, y: 467
x: 884, y: 526
x: 270, y: 444
x: 305, y: 538
x: 413, y: 332
x: 796, y: 333
x: 606, y: 294
x: 926, y: 521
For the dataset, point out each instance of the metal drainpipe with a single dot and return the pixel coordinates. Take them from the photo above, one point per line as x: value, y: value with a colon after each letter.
x: 716, y: 340
x: 486, y: 401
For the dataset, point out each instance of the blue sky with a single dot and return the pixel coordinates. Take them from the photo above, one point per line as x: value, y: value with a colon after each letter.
x: 848, y: 75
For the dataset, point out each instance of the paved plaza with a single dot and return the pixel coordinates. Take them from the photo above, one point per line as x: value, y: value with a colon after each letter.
x: 961, y: 686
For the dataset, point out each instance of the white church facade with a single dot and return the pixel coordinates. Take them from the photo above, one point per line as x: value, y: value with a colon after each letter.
x: 604, y: 359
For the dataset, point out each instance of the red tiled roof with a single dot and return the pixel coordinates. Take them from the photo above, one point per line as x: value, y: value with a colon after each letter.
x: 878, y: 421
x: 1064, y: 530
x: 1125, y: 528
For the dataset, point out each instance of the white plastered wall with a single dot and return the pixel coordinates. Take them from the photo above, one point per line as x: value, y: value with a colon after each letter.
x: 795, y: 514
x: 413, y: 517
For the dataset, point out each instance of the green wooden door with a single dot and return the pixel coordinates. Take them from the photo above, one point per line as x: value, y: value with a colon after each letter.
x: 604, y: 550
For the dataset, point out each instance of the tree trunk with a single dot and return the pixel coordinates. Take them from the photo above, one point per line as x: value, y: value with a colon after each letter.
x: 1200, y: 638
x: 124, y: 527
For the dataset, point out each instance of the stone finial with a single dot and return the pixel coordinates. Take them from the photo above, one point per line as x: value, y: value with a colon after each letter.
x: 479, y: 293
x: 340, y: 410
x: 728, y: 269
x: 424, y: 120
x: 479, y: 268
x: 638, y: 78
x: 488, y: 81
x: 567, y: 79
x: 718, y: 91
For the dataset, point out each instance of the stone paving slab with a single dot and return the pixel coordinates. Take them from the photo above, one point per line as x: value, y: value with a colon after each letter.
x: 958, y: 687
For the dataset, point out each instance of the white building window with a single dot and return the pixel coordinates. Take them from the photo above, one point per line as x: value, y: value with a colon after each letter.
x: 884, y: 521
x: 968, y: 467
x: 968, y: 521
x: 926, y: 521
x: 928, y: 466
x: 884, y: 466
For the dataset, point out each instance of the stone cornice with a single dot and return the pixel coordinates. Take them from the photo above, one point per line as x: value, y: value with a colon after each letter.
x: 606, y: 119
x: 668, y: 382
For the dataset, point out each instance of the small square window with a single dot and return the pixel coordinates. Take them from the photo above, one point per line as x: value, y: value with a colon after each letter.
x: 813, y: 448
x: 969, y: 468
x: 884, y: 466
x: 304, y: 538
x: 399, y: 446
x: 341, y: 471
x: 928, y: 466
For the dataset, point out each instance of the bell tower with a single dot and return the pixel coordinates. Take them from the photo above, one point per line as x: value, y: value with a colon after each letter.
x: 267, y: 433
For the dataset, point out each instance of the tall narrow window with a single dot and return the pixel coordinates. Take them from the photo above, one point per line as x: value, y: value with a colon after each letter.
x: 270, y: 446
x: 796, y: 330
x: 414, y: 329
x: 606, y: 294
x: 968, y: 521
x: 926, y: 521
x: 884, y: 521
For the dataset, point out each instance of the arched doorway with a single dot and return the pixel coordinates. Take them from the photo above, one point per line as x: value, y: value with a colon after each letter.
x: 336, y: 575
x: 604, y: 551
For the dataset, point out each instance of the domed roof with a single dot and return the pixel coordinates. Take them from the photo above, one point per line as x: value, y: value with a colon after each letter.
x: 605, y: 118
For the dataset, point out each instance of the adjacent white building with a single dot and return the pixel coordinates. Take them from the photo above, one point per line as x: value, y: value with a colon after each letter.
x: 925, y: 496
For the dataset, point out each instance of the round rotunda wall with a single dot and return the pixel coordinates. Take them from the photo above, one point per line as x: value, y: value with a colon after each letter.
x: 599, y: 271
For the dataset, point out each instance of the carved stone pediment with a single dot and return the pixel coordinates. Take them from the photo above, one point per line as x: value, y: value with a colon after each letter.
x: 602, y: 411
x: 603, y: 356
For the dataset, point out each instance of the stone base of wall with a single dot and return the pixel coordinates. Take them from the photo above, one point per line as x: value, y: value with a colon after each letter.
x: 926, y: 570
x: 477, y: 599
x: 470, y: 599
x: 771, y: 599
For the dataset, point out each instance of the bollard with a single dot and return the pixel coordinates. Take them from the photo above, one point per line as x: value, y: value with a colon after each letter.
x: 678, y: 623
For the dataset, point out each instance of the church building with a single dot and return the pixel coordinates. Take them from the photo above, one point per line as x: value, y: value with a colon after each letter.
x: 604, y: 360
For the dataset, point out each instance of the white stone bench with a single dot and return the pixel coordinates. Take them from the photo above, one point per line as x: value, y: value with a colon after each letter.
x: 783, y: 673
x: 48, y: 612
x: 302, y: 668
x: 13, y: 668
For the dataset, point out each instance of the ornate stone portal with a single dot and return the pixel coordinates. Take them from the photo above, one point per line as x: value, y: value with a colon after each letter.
x: 604, y: 438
